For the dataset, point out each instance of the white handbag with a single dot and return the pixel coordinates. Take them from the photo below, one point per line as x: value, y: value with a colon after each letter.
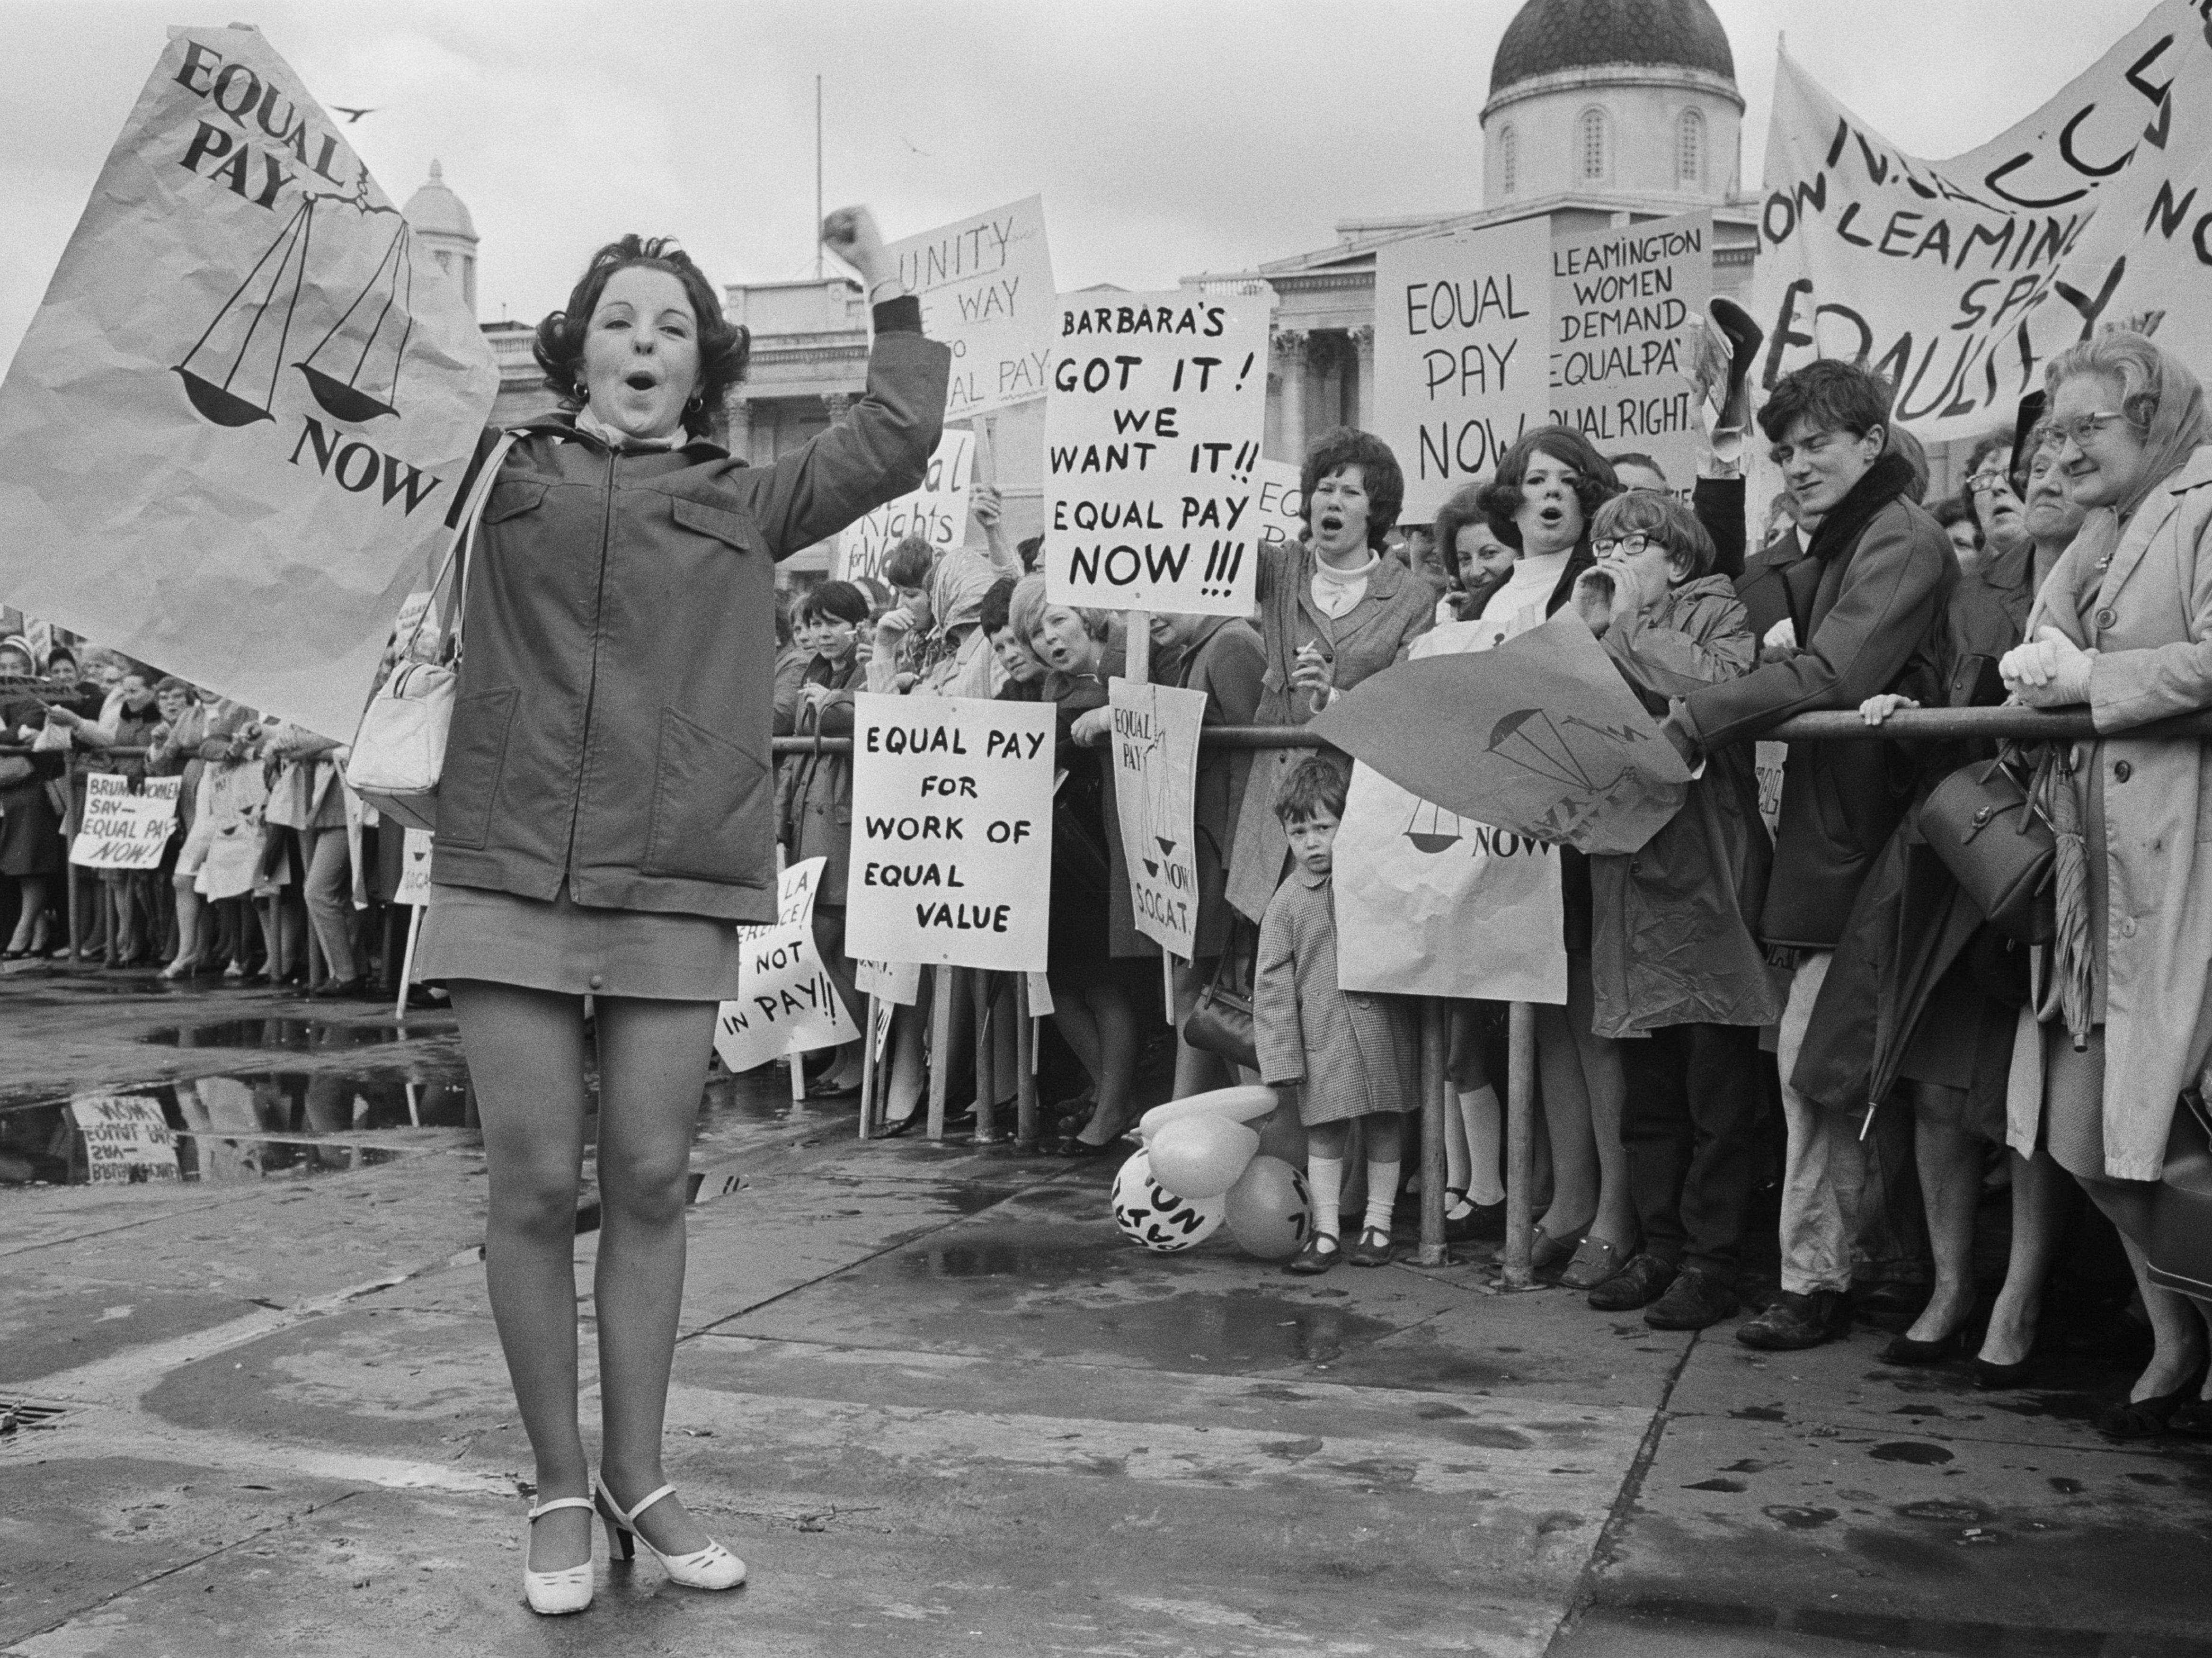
x: 399, y: 750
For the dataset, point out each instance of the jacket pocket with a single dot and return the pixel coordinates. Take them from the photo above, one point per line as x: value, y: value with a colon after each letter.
x: 475, y: 756
x: 509, y: 498
x: 713, y: 807
x: 732, y: 528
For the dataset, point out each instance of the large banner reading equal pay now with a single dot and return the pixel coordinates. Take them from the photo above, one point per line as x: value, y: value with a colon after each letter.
x: 241, y: 418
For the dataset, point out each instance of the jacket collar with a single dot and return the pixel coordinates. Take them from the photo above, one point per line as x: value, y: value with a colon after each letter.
x: 2135, y: 536
x: 1889, y: 478
x: 1383, y: 582
x: 1306, y: 878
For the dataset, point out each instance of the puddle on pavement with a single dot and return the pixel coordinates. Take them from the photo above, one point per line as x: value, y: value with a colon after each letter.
x: 283, y: 1033
x: 223, y: 1129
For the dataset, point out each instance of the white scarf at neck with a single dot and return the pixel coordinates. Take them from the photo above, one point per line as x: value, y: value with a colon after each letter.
x: 1335, y: 592
x: 614, y: 438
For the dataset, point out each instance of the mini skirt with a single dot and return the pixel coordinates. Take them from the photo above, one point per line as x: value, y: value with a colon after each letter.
x: 472, y: 932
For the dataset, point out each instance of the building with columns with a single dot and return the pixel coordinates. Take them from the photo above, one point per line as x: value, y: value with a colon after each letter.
x: 1600, y: 113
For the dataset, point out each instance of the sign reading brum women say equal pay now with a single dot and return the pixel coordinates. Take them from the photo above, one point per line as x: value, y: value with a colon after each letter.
x: 1151, y: 431
x: 951, y: 860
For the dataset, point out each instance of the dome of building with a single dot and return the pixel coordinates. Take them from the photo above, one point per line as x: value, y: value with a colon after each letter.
x: 436, y: 210
x: 1549, y: 36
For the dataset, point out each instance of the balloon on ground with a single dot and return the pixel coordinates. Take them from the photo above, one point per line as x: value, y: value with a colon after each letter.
x: 1161, y: 1221
x: 1242, y: 1104
x: 1270, y: 1209
x: 1202, y: 1156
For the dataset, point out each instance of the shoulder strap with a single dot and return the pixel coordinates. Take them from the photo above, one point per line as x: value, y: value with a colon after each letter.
x: 462, y: 538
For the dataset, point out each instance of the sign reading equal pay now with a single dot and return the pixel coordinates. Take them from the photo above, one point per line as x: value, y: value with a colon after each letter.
x: 951, y: 859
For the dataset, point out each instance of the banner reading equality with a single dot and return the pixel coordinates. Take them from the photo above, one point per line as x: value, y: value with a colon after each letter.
x: 1627, y: 306
x: 1463, y: 338
x: 937, y: 512
x: 1958, y: 280
x: 786, y: 1001
x: 1155, y: 747
x: 951, y: 860
x: 121, y: 830
x: 1152, y: 430
x: 985, y: 289
x: 231, y: 437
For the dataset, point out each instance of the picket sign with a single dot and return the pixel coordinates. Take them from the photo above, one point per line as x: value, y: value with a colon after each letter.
x: 122, y: 830
x: 1137, y: 669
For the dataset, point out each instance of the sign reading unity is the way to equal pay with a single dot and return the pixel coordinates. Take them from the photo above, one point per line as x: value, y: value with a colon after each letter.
x: 1151, y: 434
x: 247, y: 396
x: 786, y: 1001
x: 937, y: 512
x: 1155, y: 749
x: 1628, y: 307
x: 1462, y: 335
x: 986, y: 290
x: 951, y: 860
x: 121, y: 830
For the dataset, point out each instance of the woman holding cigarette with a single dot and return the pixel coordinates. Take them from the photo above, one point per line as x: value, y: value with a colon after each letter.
x: 607, y: 812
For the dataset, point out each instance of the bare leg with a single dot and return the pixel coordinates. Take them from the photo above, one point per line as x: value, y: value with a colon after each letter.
x: 1072, y: 1018
x: 1118, y: 1046
x: 910, y: 1071
x: 2174, y: 1323
x: 1608, y: 1090
x: 525, y: 1056
x: 1567, y: 1119
x: 653, y: 1071
x: 32, y: 892
x: 2039, y: 1187
x: 1949, y: 1159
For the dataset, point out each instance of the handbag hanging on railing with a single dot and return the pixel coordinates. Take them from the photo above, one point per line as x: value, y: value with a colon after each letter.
x: 1221, y: 1022
x: 400, y: 748
x: 1997, y: 841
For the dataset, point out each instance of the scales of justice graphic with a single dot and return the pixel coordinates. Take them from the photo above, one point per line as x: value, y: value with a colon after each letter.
x: 359, y: 392
x: 1530, y: 739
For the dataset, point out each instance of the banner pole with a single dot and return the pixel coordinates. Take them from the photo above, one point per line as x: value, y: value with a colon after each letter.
x: 1520, y: 1143
x: 943, y: 982
x: 407, y: 961
x: 1436, y: 1102
x: 986, y: 1080
x: 70, y: 827
x: 1025, y: 1088
x: 868, y: 1070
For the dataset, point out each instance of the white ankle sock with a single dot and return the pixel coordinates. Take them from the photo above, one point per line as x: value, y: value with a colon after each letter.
x: 1382, y: 1194
x: 1484, y: 1125
x: 1325, y: 1177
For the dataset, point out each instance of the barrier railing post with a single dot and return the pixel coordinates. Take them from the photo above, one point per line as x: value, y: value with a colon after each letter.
x: 868, y: 1058
x: 944, y: 987
x: 1436, y: 1102
x: 987, y: 1069
x: 1025, y: 1088
x: 69, y: 870
x: 1520, y: 1142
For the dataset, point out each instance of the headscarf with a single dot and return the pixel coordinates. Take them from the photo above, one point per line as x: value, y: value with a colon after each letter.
x: 2179, y: 421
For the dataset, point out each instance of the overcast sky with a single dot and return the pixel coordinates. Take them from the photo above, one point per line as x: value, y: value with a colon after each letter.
x: 1167, y: 137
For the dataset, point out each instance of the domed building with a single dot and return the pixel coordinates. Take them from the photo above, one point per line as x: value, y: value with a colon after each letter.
x: 1600, y: 113
x: 444, y: 229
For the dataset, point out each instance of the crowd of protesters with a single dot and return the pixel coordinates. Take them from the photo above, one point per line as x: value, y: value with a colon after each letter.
x: 1736, y: 995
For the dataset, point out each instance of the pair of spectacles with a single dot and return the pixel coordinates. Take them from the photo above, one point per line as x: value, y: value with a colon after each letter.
x: 1627, y: 545
x: 1988, y: 483
x: 2081, y: 428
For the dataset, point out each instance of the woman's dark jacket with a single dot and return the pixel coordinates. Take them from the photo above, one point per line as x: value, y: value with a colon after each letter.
x: 1864, y: 597
x: 817, y: 815
x: 616, y: 692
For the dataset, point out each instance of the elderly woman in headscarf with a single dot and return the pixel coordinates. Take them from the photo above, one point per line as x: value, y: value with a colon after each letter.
x: 2124, y: 625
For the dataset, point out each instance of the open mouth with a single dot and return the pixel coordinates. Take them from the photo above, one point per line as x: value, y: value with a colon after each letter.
x: 639, y: 381
x: 1331, y: 522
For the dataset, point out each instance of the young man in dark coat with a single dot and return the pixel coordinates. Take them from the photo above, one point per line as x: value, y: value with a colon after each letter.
x: 1861, y: 597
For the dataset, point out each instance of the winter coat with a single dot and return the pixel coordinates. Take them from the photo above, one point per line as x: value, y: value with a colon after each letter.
x: 2140, y: 595
x: 817, y: 813
x: 1358, y: 1052
x: 612, y: 724
x: 1397, y: 608
x: 1087, y: 795
x: 1671, y: 939
x: 1864, y: 597
x: 1225, y: 664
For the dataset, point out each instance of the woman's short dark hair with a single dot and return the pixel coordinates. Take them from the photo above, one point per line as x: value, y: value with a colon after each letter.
x: 1315, y: 785
x: 60, y: 653
x: 1830, y: 395
x: 1594, y: 482
x: 998, y: 606
x: 723, y: 346
x: 1464, y: 508
x: 1950, y: 511
x: 170, y: 682
x: 1664, y: 519
x: 1984, y: 446
x: 909, y: 564
x: 1385, y: 481
x: 837, y: 600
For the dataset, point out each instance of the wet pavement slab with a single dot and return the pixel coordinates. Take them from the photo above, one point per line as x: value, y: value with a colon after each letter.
x: 942, y: 1407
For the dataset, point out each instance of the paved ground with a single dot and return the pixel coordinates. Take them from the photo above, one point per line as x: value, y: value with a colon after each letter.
x: 941, y: 1408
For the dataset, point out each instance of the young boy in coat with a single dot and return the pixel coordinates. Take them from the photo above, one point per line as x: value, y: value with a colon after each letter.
x: 1348, y: 1053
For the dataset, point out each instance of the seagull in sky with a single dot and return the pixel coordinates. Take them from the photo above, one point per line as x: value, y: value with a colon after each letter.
x: 351, y: 115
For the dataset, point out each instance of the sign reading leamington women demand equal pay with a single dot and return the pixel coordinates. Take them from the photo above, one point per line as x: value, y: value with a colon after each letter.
x: 951, y: 860
x: 242, y: 415
x: 1151, y: 432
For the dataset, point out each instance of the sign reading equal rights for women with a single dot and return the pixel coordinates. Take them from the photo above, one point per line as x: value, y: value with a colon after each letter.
x: 1627, y: 306
x: 121, y: 830
x: 1958, y: 280
x: 986, y: 290
x: 1155, y: 747
x: 1462, y: 339
x: 951, y: 860
x: 1151, y: 434
x: 937, y: 512
x: 232, y: 438
x: 787, y: 1003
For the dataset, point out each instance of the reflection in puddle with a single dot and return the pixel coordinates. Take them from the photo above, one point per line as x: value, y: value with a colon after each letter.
x: 288, y: 1035
x: 222, y: 1125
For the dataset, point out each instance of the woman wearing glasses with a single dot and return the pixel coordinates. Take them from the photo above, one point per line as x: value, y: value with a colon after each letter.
x: 2124, y: 625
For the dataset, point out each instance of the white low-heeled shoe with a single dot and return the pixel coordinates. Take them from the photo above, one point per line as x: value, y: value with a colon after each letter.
x: 711, y: 1568
x: 555, y: 1593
